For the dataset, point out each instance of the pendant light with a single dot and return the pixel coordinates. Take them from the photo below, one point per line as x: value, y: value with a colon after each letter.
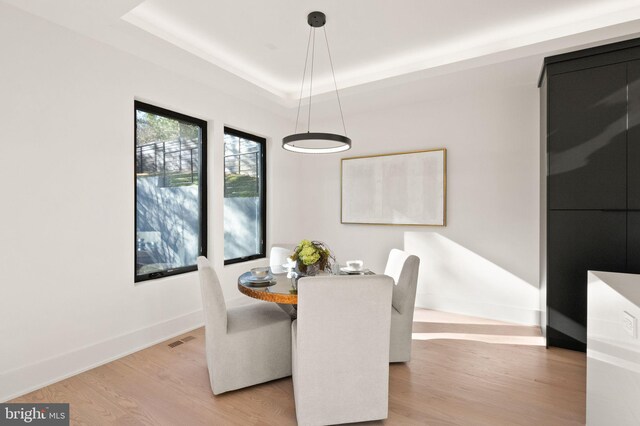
x: 316, y: 142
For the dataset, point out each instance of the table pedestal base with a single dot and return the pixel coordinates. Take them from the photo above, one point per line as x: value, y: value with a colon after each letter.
x: 291, y: 310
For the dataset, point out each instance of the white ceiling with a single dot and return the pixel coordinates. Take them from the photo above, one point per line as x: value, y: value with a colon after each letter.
x: 264, y: 42
x: 254, y: 49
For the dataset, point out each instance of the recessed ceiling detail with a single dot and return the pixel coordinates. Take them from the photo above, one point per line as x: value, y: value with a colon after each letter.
x: 261, y: 41
x: 406, y: 50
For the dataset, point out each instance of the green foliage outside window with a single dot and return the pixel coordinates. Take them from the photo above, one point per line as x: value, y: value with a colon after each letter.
x: 156, y: 128
x: 236, y: 185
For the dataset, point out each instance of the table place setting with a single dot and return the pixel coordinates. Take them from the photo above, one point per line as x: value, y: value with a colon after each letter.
x: 260, y: 277
x: 354, y: 267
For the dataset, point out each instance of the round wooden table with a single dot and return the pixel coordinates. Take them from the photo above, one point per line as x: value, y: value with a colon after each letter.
x: 281, y: 292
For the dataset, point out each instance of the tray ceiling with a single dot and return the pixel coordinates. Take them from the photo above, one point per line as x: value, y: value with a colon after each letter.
x: 264, y: 42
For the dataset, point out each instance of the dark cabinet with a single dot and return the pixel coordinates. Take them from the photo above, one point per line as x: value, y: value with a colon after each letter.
x: 633, y: 242
x: 591, y: 124
x: 580, y: 240
x: 633, y: 135
x: 633, y: 167
x: 587, y: 139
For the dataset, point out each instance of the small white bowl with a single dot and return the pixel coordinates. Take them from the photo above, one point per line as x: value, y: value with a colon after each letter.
x: 260, y: 272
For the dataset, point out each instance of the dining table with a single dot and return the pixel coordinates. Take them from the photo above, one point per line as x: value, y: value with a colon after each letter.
x: 281, y: 288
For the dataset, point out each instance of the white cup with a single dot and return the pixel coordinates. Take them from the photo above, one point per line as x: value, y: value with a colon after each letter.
x: 356, y: 265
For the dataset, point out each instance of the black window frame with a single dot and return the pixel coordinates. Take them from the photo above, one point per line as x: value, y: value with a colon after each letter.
x: 202, y: 189
x: 263, y: 191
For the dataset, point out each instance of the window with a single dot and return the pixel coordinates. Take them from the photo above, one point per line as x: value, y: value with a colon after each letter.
x: 170, y: 192
x: 245, y: 200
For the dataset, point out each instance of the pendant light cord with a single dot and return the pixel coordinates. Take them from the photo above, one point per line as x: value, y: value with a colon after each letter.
x: 334, y: 81
x: 304, y: 73
x: 313, y: 53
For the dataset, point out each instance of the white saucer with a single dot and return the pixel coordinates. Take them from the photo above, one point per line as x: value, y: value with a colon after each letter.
x: 266, y: 279
x: 350, y: 270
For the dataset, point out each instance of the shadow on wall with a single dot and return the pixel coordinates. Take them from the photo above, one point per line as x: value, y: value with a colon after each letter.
x: 455, y: 279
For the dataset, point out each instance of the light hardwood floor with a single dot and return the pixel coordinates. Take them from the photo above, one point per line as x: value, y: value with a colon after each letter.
x: 464, y: 371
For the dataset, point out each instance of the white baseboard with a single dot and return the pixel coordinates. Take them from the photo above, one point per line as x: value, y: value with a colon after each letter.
x: 478, y: 309
x: 31, y: 377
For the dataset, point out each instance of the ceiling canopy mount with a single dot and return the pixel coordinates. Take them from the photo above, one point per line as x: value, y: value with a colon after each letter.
x: 316, y: 19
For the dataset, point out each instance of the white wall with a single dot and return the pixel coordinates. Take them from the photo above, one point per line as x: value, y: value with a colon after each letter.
x: 492, y: 234
x: 67, y: 297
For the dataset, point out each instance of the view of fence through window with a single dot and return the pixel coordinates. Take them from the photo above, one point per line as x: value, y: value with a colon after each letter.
x: 243, y: 196
x: 168, y: 178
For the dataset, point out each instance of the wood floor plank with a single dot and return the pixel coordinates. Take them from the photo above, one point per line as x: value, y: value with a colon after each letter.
x: 449, y: 381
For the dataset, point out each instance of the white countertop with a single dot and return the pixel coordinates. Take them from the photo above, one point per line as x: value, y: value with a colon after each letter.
x: 613, y: 349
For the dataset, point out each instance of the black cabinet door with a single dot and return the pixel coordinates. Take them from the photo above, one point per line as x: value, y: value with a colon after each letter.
x: 578, y: 241
x: 587, y: 139
x: 633, y: 242
x: 633, y: 136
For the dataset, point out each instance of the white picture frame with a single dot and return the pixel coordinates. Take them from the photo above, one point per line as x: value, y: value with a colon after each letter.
x: 404, y: 189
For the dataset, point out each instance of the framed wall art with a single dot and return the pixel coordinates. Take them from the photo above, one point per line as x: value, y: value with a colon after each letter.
x: 405, y: 188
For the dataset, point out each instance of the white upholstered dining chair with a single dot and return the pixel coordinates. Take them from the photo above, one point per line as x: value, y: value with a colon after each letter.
x: 340, y: 345
x: 403, y: 268
x: 245, y: 345
x: 279, y: 254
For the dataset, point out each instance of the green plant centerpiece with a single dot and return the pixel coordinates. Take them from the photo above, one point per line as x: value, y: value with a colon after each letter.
x: 312, y: 257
